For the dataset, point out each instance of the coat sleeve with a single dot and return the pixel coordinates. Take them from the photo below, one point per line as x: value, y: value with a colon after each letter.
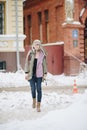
x: 44, y: 65
x: 27, y: 61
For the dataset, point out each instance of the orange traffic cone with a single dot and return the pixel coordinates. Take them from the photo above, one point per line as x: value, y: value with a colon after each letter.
x: 75, y: 89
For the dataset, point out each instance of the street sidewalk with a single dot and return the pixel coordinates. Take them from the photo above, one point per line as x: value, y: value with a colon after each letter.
x: 59, y: 89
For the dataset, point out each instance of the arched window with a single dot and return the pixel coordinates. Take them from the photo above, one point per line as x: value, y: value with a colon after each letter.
x: 46, y: 12
x: 29, y: 18
x: 40, y: 25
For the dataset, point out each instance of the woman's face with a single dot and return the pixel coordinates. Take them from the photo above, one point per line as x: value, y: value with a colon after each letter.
x: 37, y: 47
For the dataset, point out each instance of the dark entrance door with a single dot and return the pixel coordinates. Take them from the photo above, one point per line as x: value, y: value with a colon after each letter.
x: 85, y: 40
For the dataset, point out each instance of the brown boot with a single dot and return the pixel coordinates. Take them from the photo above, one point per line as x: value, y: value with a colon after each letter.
x: 38, y: 107
x: 34, y: 103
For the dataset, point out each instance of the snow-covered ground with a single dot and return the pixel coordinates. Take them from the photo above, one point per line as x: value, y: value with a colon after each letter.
x: 17, y: 79
x: 58, y: 111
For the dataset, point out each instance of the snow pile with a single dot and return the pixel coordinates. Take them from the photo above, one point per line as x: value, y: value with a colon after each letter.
x: 22, y: 100
x: 73, y: 117
x: 18, y: 80
x: 13, y: 79
x: 62, y: 80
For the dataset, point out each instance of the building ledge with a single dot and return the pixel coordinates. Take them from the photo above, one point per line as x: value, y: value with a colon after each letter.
x: 12, y: 37
x: 8, y: 43
x: 54, y: 44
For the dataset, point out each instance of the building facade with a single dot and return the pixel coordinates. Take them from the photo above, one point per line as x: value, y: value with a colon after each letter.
x: 11, y: 33
x: 55, y: 22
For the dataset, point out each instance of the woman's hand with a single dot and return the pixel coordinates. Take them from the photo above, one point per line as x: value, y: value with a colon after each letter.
x: 44, y: 77
x: 26, y: 76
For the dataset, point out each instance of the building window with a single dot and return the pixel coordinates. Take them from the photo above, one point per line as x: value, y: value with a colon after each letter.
x: 46, y: 12
x: 2, y: 8
x: 30, y: 28
x: 24, y: 24
x: 40, y: 24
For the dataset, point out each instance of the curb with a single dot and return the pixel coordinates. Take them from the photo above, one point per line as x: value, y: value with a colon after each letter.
x: 45, y: 88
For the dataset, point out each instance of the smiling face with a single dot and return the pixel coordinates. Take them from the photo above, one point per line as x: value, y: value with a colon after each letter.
x: 37, y: 47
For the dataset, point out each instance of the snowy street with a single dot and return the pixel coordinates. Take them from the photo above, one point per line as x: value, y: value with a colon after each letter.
x: 18, y: 105
x: 61, y: 109
x: 16, y: 111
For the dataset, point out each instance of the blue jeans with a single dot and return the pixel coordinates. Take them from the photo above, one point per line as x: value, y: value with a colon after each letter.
x: 35, y: 84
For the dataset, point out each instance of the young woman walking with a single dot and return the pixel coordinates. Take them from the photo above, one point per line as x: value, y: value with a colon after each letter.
x: 36, y: 71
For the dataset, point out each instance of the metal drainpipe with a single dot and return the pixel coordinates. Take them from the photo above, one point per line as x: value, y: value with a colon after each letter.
x: 17, y: 42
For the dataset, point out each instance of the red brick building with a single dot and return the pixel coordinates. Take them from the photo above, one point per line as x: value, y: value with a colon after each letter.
x: 55, y: 22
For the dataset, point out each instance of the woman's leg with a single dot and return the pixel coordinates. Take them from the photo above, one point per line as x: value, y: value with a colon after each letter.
x: 39, y: 93
x: 33, y: 91
x: 33, y: 87
x: 39, y: 89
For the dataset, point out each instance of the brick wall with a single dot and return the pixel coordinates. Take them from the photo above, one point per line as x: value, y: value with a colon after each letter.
x: 56, y: 33
x: 56, y: 18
